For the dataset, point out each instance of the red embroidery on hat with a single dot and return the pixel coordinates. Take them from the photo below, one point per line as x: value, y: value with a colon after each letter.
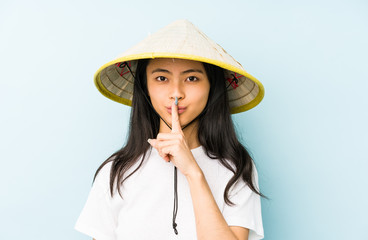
x: 124, y: 69
x: 234, y: 80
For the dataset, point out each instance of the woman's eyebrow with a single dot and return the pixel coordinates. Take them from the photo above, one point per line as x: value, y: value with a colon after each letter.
x: 161, y: 70
x: 184, y: 72
x: 192, y: 70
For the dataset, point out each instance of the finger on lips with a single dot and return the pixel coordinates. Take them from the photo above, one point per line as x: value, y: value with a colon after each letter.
x: 175, y: 124
x: 165, y: 141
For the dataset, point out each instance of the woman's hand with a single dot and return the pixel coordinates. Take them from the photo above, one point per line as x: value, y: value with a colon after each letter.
x: 173, y: 147
x: 210, y: 223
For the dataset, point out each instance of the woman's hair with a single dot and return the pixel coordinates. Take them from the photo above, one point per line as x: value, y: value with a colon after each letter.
x: 216, y: 135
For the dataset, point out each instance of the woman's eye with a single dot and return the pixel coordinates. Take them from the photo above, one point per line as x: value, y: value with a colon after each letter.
x: 161, y: 78
x: 192, y: 79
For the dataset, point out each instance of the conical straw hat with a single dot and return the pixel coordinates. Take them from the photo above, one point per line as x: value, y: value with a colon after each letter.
x: 180, y: 39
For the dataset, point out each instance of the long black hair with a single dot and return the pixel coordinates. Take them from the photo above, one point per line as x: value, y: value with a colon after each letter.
x: 216, y: 135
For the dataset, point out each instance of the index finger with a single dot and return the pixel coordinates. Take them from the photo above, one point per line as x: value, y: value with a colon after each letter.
x: 175, y: 123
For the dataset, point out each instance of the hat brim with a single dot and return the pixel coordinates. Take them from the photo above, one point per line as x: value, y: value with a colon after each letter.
x: 255, y: 99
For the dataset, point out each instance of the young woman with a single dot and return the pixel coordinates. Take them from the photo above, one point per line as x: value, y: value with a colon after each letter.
x: 183, y: 173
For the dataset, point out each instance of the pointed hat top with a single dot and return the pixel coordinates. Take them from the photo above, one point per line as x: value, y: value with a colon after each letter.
x: 180, y: 39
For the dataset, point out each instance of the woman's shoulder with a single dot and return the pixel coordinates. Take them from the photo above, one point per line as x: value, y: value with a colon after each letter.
x: 102, y: 177
x: 211, y: 166
x: 104, y: 173
x: 222, y: 170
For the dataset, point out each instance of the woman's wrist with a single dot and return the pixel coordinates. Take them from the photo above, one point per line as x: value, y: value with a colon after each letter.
x: 195, y: 174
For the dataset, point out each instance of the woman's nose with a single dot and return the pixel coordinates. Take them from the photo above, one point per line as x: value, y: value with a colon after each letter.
x: 177, y: 90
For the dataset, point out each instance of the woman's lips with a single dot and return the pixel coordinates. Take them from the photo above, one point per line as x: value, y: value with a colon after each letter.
x: 180, y: 109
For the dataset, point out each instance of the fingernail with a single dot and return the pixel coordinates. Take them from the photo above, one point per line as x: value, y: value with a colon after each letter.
x: 149, y: 140
x: 176, y: 101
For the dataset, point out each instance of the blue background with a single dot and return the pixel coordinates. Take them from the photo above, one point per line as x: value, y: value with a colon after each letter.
x: 308, y: 136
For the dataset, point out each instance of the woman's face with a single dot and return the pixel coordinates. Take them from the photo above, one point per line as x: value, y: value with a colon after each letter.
x: 168, y: 78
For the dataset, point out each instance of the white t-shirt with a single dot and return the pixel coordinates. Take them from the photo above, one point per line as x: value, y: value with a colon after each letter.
x: 146, y: 209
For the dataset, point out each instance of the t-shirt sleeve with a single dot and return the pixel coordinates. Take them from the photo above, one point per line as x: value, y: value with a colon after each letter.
x: 247, y: 209
x: 97, y: 219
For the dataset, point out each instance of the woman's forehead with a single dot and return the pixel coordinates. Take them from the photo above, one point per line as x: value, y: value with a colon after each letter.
x: 174, y: 62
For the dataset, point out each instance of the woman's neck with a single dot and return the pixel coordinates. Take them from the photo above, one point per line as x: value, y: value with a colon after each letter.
x: 190, y: 133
